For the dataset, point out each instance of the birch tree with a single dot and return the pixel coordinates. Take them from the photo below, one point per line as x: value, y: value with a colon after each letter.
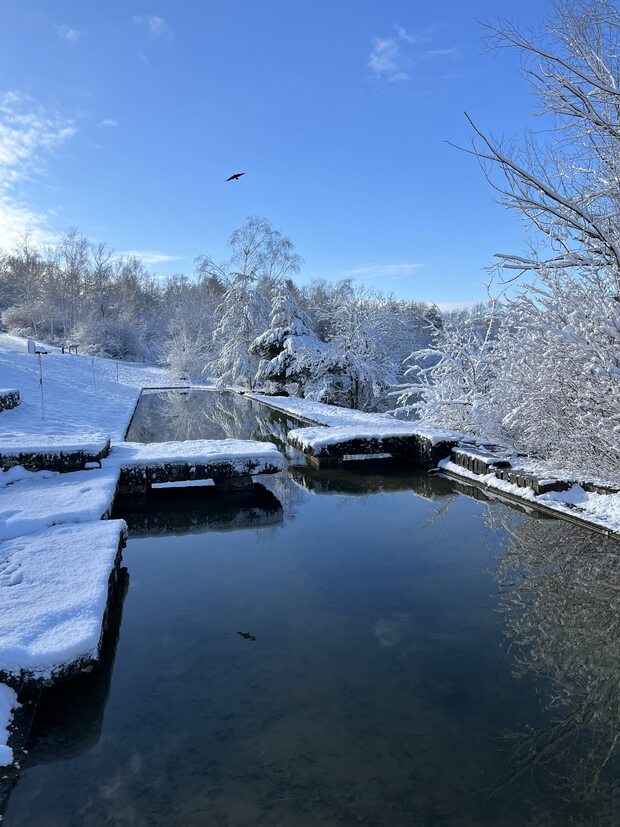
x: 261, y: 257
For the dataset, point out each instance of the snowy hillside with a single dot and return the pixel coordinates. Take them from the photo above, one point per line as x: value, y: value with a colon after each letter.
x: 80, y: 393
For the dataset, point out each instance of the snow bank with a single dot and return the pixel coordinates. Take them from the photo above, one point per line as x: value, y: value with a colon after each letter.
x: 87, y: 443
x: 318, y: 412
x: 53, y: 595
x: 17, y: 474
x: 42, y: 499
x: 197, y: 451
x: 316, y: 439
x: 602, y: 510
x: 8, y: 702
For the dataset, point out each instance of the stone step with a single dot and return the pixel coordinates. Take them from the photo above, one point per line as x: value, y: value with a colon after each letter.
x: 53, y: 453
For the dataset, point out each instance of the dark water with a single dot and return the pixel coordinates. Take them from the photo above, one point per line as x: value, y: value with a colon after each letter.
x: 410, y: 656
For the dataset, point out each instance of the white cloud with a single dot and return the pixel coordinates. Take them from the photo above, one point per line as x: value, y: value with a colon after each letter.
x: 393, y: 58
x: 374, y: 271
x: 17, y: 220
x: 108, y: 122
x: 27, y: 134
x: 68, y: 34
x: 150, y: 257
x: 387, y: 59
x: 154, y: 24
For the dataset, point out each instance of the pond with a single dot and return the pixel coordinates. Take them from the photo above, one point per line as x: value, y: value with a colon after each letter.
x: 362, y: 645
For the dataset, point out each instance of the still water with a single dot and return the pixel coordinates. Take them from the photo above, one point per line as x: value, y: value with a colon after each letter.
x: 365, y: 645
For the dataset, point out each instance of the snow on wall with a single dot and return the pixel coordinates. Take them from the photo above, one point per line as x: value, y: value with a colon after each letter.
x: 53, y: 595
x: 88, y: 443
x: 8, y: 702
x: 318, y: 412
x: 602, y: 510
x: 199, y: 451
x: 40, y: 500
x: 315, y: 439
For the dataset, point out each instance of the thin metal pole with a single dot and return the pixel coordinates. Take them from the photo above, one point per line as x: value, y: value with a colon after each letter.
x: 92, y: 362
x: 117, y: 371
x: 41, y: 386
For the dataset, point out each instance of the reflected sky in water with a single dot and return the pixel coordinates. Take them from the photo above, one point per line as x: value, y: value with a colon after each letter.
x: 420, y: 657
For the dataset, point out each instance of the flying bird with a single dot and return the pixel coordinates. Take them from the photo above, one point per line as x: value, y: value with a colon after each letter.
x: 246, y: 635
x: 236, y: 176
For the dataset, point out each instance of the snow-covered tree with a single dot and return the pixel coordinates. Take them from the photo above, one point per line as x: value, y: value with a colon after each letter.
x: 243, y: 313
x: 289, y: 349
x: 187, y: 342
x: 261, y: 257
x: 563, y: 180
x: 448, y: 382
x: 556, y: 393
x: 548, y: 379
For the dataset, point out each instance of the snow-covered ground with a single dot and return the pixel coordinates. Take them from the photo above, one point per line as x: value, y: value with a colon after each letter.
x: 54, y: 578
x: 81, y: 394
x: 39, y: 500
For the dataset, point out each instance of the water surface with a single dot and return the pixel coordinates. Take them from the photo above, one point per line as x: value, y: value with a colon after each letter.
x: 408, y: 656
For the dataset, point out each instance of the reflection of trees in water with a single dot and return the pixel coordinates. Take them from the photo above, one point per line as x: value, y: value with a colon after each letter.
x: 560, y: 593
x: 182, y: 415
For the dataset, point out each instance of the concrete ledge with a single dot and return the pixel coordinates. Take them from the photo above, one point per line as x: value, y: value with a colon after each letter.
x: 55, y: 453
x: 325, y: 446
x: 55, y: 589
x: 228, y: 462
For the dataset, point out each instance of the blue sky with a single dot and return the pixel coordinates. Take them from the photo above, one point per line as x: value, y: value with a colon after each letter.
x: 124, y: 118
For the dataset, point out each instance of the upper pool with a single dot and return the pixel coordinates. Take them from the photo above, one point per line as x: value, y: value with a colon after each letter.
x: 409, y: 655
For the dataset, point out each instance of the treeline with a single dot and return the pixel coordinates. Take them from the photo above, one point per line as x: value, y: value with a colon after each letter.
x: 77, y: 292
x: 243, y: 322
